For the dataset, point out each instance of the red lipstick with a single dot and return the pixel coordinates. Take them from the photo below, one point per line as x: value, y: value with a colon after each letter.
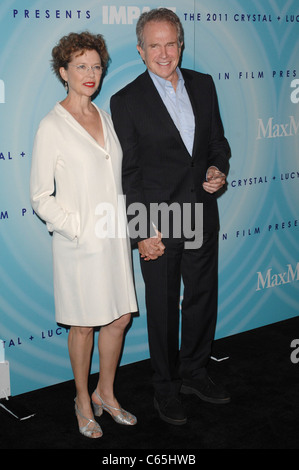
x: 89, y: 84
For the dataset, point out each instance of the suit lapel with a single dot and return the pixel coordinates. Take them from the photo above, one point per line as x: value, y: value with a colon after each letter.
x: 154, y: 100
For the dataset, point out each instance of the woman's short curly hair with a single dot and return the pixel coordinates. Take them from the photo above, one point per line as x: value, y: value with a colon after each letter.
x: 64, y: 51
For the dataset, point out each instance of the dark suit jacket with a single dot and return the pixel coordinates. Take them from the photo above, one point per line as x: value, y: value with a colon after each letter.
x: 156, y: 164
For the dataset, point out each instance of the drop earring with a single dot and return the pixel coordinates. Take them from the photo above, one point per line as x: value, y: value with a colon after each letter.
x: 66, y: 86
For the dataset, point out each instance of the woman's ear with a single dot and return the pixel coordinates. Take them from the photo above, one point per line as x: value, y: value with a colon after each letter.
x: 63, y: 74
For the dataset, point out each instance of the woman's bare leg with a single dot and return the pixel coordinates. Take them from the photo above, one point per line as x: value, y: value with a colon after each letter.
x: 80, y: 344
x: 110, y: 345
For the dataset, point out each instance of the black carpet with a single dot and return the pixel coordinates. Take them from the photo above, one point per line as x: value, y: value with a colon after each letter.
x: 263, y: 414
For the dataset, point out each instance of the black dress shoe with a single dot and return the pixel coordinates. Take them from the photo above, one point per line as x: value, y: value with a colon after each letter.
x: 206, y: 390
x: 170, y: 410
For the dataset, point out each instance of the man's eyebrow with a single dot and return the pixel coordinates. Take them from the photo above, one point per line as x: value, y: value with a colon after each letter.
x: 158, y: 44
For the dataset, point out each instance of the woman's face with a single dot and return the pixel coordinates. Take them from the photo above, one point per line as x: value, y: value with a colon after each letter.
x: 83, y: 73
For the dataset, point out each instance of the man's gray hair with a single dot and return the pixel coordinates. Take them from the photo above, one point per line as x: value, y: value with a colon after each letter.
x: 159, y: 15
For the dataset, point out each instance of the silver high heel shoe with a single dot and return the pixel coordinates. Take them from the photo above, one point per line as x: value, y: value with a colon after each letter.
x: 124, y: 417
x: 91, y: 427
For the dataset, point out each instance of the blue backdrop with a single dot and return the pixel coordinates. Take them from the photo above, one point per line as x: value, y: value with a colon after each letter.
x: 251, y: 49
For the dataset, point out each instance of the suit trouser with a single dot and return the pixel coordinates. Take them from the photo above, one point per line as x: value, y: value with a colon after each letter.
x: 172, y: 359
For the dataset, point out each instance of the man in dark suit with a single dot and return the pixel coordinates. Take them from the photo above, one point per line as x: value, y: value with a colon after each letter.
x: 175, y: 152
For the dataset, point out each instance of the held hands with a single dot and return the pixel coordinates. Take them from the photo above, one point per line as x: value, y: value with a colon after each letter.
x: 215, y: 180
x: 152, y: 248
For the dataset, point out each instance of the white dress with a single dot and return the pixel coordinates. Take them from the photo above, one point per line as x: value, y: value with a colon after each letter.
x: 76, y: 189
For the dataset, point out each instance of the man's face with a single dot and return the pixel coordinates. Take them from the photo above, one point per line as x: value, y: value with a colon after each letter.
x: 161, y: 52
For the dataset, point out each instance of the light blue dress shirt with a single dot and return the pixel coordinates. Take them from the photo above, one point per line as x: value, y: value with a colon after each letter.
x: 179, y: 107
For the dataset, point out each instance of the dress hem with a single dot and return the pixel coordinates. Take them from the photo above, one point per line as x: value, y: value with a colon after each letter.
x: 93, y: 325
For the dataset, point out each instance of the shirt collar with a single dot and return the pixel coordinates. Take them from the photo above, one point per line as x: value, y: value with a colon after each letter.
x: 163, y: 84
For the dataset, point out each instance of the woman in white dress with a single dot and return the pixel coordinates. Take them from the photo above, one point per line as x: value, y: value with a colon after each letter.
x: 75, y: 179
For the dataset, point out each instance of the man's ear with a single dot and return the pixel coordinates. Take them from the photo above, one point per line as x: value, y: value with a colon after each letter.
x: 141, y: 52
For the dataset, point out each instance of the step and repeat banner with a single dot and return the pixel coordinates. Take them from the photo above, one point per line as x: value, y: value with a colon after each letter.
x: 251, y: 48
